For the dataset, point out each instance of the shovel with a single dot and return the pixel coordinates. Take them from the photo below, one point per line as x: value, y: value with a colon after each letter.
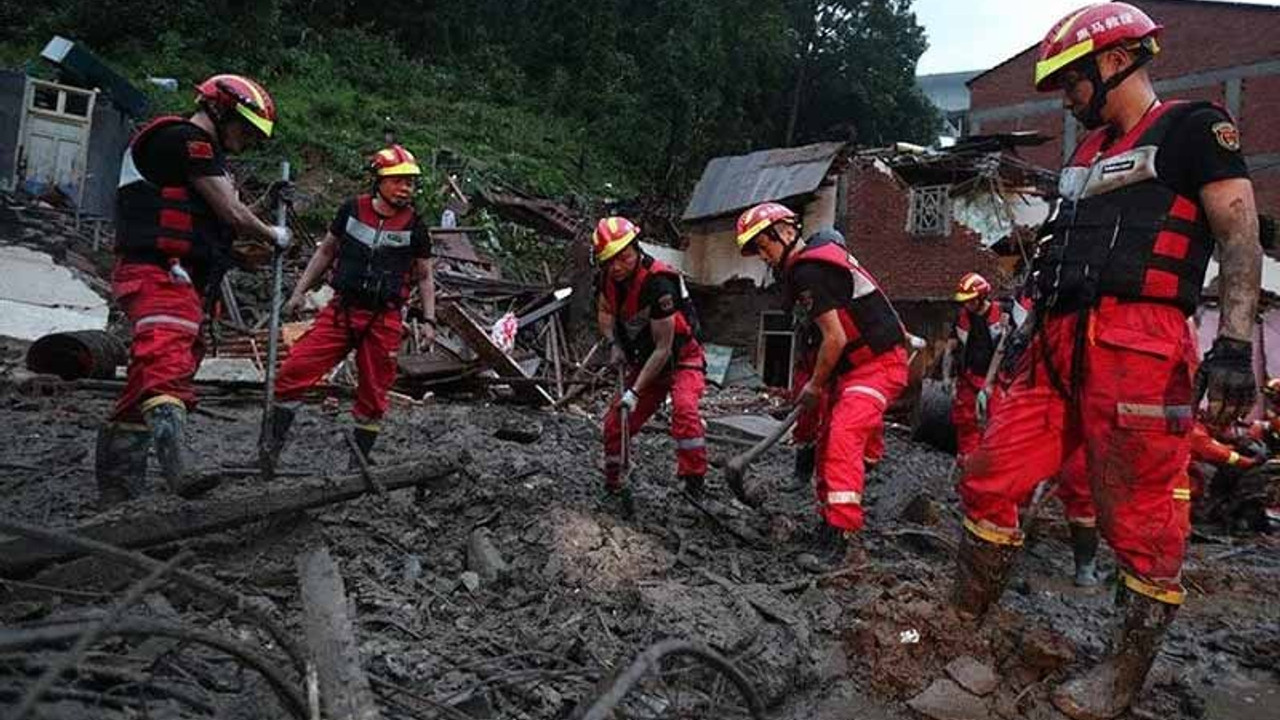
x: 266, y: 458
x: 736, y: 469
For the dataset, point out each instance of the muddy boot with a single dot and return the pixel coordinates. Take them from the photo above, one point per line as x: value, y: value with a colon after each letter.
x: 694, y: 486
x: 982, y: 568
x: 622, y: 498
x: 281, y: 421
x: 167, y: 423
x: 840, y: 548
x: 1084, y: 547
x: 806, y: 460
x: 1108, y: 689
x: 365, y: 439
x: 120, y: 461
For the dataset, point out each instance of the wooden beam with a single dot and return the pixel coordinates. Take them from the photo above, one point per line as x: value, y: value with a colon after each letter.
x: 453, y: 315
x: 330, y: 635
x: 178, y: 519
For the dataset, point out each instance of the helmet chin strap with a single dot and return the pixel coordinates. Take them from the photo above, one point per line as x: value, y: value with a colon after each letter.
x: 1092, y: 118
x: 377, y: 191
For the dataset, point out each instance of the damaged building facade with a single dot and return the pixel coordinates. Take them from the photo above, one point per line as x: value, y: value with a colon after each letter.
x: 918, y: 219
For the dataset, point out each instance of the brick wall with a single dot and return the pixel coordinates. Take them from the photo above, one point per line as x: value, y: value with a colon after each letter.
x: 1199, y: 38
x: 908, y: 267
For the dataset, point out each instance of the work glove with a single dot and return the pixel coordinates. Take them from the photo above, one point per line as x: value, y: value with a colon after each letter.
x: 1226, y: 376
x: 983, y: 399
x: 177, y: 273
x: 629, y: 400
x: 281, y: 236
x: 281, y: 191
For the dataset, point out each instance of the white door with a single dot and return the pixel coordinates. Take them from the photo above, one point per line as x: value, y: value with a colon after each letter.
x: 55, y: 138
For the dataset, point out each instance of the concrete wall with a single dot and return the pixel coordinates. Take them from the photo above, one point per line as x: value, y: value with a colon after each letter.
x: 712, y: 257
x: 731, y: 315
x: 12, y: 92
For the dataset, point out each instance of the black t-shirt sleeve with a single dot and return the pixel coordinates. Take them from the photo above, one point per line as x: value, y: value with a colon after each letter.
x: 1206, y: 146
x: 420, y: 240
x: 339, y: 224
x: 660, y: 294
x: 175, y: 154
x: 820, y: 287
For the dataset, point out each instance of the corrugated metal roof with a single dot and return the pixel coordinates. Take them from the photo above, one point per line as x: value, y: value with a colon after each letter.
x: 730, y: 184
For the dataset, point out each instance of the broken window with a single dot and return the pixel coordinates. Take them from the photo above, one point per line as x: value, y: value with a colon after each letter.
x: 776, y: 348
x: 44, y: 98
x: 76, y: 104
x: 930, y: 211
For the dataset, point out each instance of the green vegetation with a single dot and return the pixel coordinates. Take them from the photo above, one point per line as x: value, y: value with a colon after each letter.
x: 559, y: 97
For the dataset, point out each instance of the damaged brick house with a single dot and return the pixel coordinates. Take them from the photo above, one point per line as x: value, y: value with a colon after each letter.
x: 918, y: 219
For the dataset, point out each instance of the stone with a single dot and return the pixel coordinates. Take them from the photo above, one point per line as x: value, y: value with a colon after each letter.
x: 976, y: 677
x: 945, y: 700
x: 483, y: 557
x: 922, y: 510
x: 1046, y: 650
x: 470, y: 580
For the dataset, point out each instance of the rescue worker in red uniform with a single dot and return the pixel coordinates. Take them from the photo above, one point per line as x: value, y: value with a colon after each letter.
x: 646, y: 315
x: 976, y: 334
x: 376, y: 248
x: 177, y: 216
x: 861, y: 363
x: 1148, y: 192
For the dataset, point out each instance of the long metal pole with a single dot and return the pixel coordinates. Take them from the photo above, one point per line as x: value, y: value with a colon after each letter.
x: 265, y: 456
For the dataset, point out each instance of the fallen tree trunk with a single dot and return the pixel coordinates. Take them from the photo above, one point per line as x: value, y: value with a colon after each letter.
x: 185, y: 519
x: 344, y: 689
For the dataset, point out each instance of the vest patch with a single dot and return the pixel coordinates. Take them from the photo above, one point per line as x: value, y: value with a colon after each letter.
x: 199, y: 150
x: 1227, y: 135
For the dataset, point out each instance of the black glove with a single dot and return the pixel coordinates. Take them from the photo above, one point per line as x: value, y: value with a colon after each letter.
x: 1226, y: 375
x: 281, y: 191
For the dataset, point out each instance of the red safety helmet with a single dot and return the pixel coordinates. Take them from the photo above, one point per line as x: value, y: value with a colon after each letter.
x: 1089, y: 31
x: 611, y: 235
x: 758, y: 219
x: 223, y: 93
x: 394, y: 161
x: 972, y: 286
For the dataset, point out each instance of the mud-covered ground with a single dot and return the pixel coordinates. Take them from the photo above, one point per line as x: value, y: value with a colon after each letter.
x: 587, y: 590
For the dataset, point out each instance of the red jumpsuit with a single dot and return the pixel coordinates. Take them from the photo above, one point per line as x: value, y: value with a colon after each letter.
x: 871, y: 373
x: 170, y: 247
x: 978, y: 336
x: 1109, y: 372
x: 370, y: 277
x: 327, y: 342
x: 808, y: 425
x: 684, y: 379
x: 166, y: 350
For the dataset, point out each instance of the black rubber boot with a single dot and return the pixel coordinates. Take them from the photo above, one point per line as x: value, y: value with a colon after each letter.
x: 1084, y: 547
x: 168, y: 424
x: 281, y: 421
x: 840, y: 548
x: 120, y: 462
x: 694, y: 485
x: 1109, y: 688
x: 806, y: 460
x: 982, y: 569
x: 365, y: 439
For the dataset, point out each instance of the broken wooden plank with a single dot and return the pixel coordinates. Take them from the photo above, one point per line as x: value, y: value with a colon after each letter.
x: 345, y: 693
x: 477, y: 337
x: 177, y: 519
